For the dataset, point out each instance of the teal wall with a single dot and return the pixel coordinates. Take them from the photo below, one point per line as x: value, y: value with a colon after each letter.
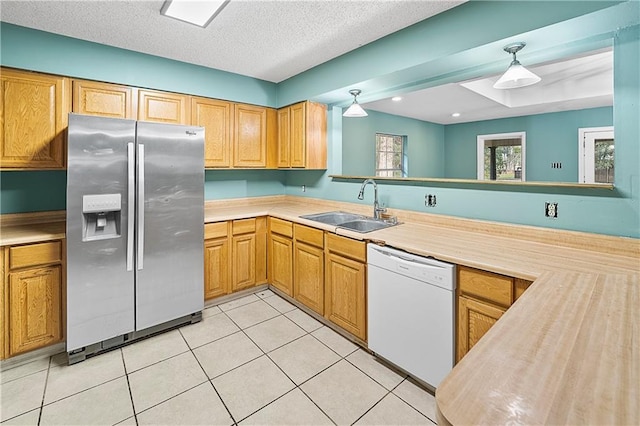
x: 425, y: 147
x: 551, y: 137
x: 46, y: 190
x: 34, y: 50
x: 465, y: 42
x: 33, y: 191
x: 613, y: 212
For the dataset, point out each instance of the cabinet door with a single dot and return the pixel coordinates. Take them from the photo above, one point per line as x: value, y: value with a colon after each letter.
x: 244, y: 261
x: 308, y: 275
x: 474, y: 320
x: 250, y: 136
x: 107, y: 100
x: 284, y: 137
x: 345, y: 302
x: 163, y: 107
x: 281, y: 263
x: 298, y: 135
x: 34, y: 308
x: 34, y: 111
x: 217, y: 262
x: 216, y: 118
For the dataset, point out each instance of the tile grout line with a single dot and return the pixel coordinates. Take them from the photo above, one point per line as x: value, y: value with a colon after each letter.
x: 209, y: 380
x: 296, y: 386
x: 126, y: 375
x: 44, y: 391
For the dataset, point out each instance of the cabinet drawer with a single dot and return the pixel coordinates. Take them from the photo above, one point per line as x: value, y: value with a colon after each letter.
x: 312, y: 236
x: 346, y: 247
x: 35, y: 254
x: 282, y: 227
x: 486, y: 285
x: 244, y: 226
x: 215, y: 230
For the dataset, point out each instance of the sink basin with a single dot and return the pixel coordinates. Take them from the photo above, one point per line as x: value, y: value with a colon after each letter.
x: 365, y: 225
x: 333, y: 218
x: 351, y: 221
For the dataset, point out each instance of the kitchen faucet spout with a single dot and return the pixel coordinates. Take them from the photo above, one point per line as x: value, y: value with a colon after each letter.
x: 376, y: 206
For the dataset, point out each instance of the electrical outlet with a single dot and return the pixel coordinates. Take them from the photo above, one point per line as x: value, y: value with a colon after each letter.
x: 429, y: 200
x: 551, y: 210
x: 304, y: 188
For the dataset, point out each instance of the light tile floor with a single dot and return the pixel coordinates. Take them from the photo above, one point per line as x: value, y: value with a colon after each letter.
x: 257, y: 360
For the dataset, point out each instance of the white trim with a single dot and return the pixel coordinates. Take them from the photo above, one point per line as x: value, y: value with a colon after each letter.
x: 586, y: 174
x: 480, y: 150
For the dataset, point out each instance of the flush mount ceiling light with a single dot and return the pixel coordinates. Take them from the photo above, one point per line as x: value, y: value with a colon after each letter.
x: 355, y: 110
x: 198, y: 12
x: 516, y: 75
x: 455, y: 115
x: 396, y: 98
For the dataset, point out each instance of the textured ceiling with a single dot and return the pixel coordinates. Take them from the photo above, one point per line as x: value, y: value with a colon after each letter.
x: 268, y: 39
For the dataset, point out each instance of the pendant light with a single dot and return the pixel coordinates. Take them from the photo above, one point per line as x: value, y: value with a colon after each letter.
x: 355, y: 110
x: 516, y: 75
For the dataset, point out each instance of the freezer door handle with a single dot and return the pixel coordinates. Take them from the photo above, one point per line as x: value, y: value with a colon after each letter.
x: 131, y: 189
x: 140, y: 258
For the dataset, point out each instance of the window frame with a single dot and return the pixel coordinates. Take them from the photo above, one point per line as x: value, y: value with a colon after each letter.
x: 587, y: 175
x: 481, y: 139
x: 403, y: 154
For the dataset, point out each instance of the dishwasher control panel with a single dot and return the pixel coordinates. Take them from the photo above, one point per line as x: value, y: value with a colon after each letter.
x: 424, y: 269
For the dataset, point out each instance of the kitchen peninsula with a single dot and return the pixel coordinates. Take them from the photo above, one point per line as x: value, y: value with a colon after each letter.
x: 542, y: 347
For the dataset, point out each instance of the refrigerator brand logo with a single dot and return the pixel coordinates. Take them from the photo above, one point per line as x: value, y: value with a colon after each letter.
x: 190, y: 133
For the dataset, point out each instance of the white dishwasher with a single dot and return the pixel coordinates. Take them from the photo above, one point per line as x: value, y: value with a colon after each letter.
x: 411, y: 310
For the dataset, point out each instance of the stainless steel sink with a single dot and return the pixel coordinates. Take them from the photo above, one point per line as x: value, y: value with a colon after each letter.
x: 353, y: 222
x: 333, y: 218
x: 366, y: 225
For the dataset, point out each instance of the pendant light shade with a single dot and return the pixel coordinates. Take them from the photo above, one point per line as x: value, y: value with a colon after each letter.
x: 355, y: 110
x: 516, y: 75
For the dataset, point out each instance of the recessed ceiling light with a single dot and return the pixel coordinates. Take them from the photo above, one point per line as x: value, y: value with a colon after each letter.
x: 199, y: 13
x: 396, y: 98
x: 455, y: 114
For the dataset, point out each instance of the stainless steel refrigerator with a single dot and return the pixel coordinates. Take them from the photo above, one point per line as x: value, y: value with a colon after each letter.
x: 135, y: 230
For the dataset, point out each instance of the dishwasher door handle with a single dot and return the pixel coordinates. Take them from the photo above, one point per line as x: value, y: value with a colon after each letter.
x: 413, y: 261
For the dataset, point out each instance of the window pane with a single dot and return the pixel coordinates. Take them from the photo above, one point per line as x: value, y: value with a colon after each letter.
x: 603, y: 160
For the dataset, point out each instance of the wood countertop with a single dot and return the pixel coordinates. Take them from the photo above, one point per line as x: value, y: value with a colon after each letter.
x: 31, y: 233
x: 567, y: 352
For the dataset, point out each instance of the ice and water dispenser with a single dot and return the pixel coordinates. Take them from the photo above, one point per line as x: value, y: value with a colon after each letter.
x: 101, y: 215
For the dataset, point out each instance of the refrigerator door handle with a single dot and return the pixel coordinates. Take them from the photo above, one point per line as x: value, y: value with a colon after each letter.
x: 131, y: 189
x: 140, y: 258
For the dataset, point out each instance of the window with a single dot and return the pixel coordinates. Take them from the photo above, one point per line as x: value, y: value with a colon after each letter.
x: 390, y: 155
x: 501, y: 156
x: 596, y: 155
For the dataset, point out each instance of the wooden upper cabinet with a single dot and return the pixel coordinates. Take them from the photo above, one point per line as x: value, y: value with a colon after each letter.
x: 298, y: 131
x: 34, y: 111
x: 163, y: 107
x: 104, y: 99
x: 250, y: 136
x: 302, y: 136
x: 284, y: 137
x: 217, y: 119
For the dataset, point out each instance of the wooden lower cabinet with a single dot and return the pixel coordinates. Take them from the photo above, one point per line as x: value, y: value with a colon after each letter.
x: 248, y: 253
x: 281, y: 263
x: 244, y: 262
x: 482, y: 299
x: 34, y: 309
x: 32, y: 297
x: 217, y: 267
x: 345, y: 294
x: 308, y: 275
x: 475, y: 318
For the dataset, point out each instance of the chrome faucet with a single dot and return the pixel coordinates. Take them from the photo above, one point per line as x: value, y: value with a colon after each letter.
x: 376, y: 206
